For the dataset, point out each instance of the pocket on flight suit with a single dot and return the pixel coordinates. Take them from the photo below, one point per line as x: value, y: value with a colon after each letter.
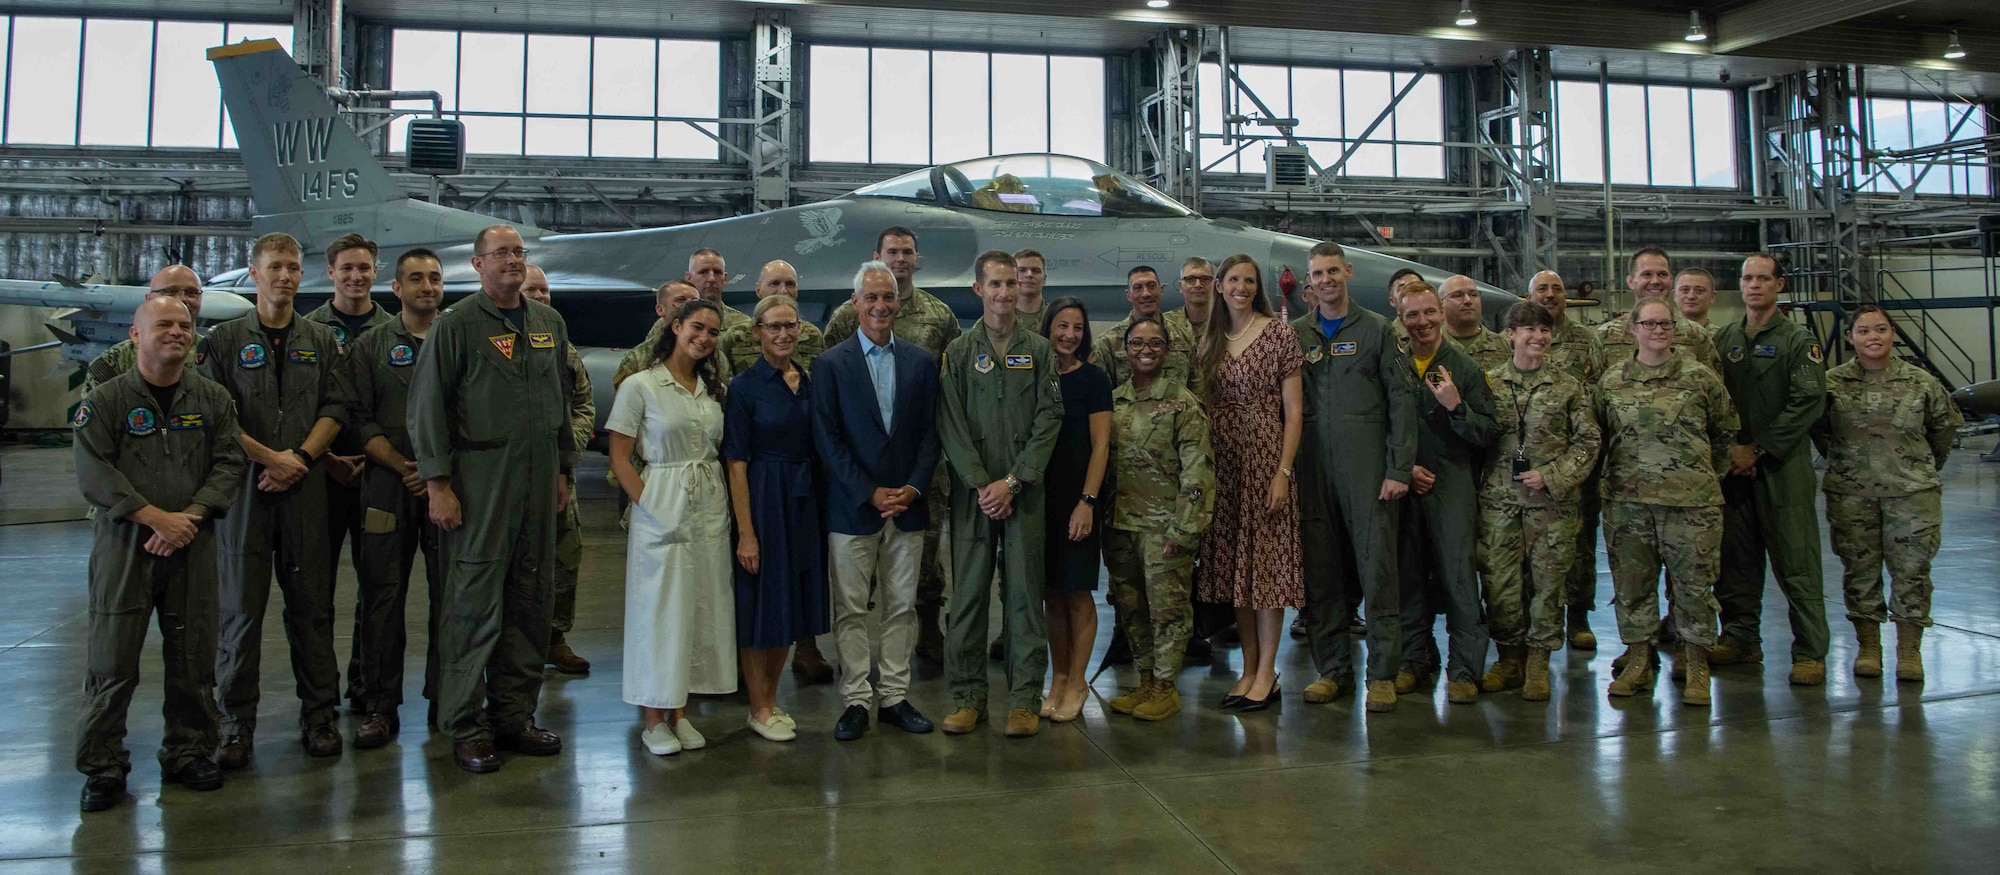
x: 120, y: 569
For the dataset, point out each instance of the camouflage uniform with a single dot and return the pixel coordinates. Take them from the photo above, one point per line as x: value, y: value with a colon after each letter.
x: 1887, y: 434
x: 923, y: 320
x: 1667, y: 432
x: 1777, y: 382
x: 1165, y: 473
x: 732, y: 317
x: 1548, y: 417
x: 122, y: 357
x: 569, y: 524
x: 740, y: 348
x: 1489, y: 349
x: 1177, y: 322
x: 1108, y: 352
x: 1574, y: 350
x: 1615, y: 343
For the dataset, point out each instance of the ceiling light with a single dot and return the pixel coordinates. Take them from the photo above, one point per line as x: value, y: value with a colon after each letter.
x: 1465, y: 16
x: 1157, y: 4
x: 1695, y: 34
x: 1954, y: 51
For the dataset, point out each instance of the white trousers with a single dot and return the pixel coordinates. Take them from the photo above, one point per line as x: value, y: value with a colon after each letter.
x: 883, y: 568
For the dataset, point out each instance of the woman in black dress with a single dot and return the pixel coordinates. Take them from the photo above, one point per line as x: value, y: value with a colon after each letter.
x: 1074, y: 480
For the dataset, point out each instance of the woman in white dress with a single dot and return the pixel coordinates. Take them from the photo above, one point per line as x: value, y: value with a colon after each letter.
x: 680, y: 623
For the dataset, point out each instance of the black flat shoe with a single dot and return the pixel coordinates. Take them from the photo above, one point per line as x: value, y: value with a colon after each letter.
x: 1231, y: 702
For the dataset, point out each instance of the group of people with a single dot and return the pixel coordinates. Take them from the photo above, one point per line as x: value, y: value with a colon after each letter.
x: 879, y: 479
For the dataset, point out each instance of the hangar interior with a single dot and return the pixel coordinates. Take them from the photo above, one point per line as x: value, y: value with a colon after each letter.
x: 1493, y: 138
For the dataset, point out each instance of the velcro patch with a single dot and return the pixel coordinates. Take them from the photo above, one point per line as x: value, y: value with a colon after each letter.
x: 82, y: 417
x: 1020, y: 362
x: 505, y: 344
x: 1346, y: 347
x: 185, y: 421
x: 139, y: 422
x: 402, y: 355
x: 1765, y: 351
x: 251, y: 357
x: 303, y: 356
x: 1816, y: 354
x: 542, y: 340
x: 982, y: 363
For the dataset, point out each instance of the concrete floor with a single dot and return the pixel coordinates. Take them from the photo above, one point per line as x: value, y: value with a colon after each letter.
x: 1854, y: 777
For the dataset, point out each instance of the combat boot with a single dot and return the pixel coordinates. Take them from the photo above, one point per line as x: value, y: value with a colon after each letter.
x: 1808, y: 673
x: 1909, y: 655
x: 1325, y: 690
x: 1637, y: 675
x: 1506, y: 671
x: 1729, y: 651
x: 1535, y: 682
x: 1381, y: 696
x: 1408, y: 680
x: 1461, y: 692
x: 1695, y: 661
x: 1022, y: 723
x: 1618, y: 664
x: 1165, y: 702
x: 1868, y: 661
x: 1129, y: 702
x: 963, y: 720
x: 1580, y: 636
x: 564, y: 659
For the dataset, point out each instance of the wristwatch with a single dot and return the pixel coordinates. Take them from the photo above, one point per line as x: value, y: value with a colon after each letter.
x: 1090, y: 499
x: 1014, y: 484
x: 303, y: 456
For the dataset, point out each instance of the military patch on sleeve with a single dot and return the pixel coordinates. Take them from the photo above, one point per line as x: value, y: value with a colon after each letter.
x: 542, y: 340
x: 82, y: 417
x: 185, y: 421
x: 139, y: 422
x: 1816, y: 354
x: 402, y: 355
x: 1020, y: 362
x: 505, y: 344
x: 251, y: 357
x: 982, y: 363
x: 1346, y: 347
x: 303, y: 357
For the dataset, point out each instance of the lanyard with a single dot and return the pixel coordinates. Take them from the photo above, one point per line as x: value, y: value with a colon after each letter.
x: 1521, y: 419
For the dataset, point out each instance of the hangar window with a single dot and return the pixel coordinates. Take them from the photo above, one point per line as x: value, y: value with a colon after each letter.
x: 1334, y: 107
x: 542, y: 94
x: 1896, y: 123
x: 116, y: 81
x: 1664, y: 135
x: 915, y: 106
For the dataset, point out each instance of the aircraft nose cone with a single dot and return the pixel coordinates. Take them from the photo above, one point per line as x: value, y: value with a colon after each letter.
x: 218, y: 306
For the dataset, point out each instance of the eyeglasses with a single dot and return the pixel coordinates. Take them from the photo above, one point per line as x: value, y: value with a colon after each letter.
x: 504, y: 254
x: 1655, y: 324
x: 1146, y: 343
x: 780, y: 326
x: 1195, y: 279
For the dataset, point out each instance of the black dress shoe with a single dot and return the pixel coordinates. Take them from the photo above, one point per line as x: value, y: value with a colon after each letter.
x: 1198, y: 652
x: 374, y: 731
x: 198, y: 774
x: 1250, y: 704
x: 997, y: 651
x: 1231, y: 702
x: 102, y: 792
x: 853, y: 722
x: 322, y: 740
x: 904, y: 716
x: 1298, y: 628
x: 477, y: 757
x: 533, y: 741
x: 235, y: 752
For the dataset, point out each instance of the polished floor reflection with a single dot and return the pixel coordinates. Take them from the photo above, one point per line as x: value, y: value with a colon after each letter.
x: 1856, y: 776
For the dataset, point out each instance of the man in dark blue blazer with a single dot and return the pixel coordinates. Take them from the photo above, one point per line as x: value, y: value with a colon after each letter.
x: 875, y: 425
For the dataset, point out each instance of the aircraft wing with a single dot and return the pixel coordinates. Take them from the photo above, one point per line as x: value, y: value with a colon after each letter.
x: 100, y: 313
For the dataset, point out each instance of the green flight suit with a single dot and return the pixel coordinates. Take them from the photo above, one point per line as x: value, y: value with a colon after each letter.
x: 928, y: 322
x: 739, y: 346
x: 1777, y: 380
x: 343, y: 502
x: 489, y: 409
x: 1527, y: 537
x: 1489, y: 349
x: 395, y: 524
x: 1887, y: 435
x: 1165, y: 471
x: 1440, y: 528
x: 1667, y: 432
x: 130, y: 454
x: 1001, y: 414
x: 280, y: 394
x: 569, y: 524
x: 1360, y: 429
x: 1108, y: 352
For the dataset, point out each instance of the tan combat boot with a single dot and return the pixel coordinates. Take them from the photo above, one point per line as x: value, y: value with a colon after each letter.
x: 963, y: 721
x: 1695, y: 661
x: 1637, y: 675
x: 564, y: 659
x: 1506, y: 671
x: 1618, y: 664
x: 1535, y: 683
x: 1909, y: 655
x: 1381, y: 696
x: 1322, y: 691
x: 1729, y: 651
x: 1868, y: 661
x: 1461, y: 692
x: 1125, y: 703
x: 1163, y: 703
x: 1580, y: 636
x: 1022, y: 723
x: 1808, y: 673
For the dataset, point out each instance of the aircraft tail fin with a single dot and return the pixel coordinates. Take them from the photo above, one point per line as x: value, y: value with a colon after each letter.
x: 310, y: 175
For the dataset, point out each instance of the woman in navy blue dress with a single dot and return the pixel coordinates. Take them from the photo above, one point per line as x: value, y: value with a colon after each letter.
x: 781, y: 594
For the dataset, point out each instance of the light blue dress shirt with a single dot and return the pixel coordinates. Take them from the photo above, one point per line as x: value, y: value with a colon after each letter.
x: 882, y: 371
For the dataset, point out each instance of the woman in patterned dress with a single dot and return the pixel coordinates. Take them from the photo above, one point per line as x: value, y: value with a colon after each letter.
x: 1250, y: 557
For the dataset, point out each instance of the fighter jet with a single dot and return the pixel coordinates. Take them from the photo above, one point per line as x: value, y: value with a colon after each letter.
x: 100, y: 315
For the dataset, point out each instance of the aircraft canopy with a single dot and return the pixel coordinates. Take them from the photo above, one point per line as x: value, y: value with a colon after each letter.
x: 1039, y: 184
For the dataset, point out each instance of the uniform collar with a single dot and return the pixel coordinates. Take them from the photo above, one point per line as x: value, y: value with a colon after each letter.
x: 1129, y: 391
x: 1669, y: 369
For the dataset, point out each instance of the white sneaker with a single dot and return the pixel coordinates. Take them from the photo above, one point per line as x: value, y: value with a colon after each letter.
x: 660, y: 741
x: 772, y: 730
x: 690, y: 739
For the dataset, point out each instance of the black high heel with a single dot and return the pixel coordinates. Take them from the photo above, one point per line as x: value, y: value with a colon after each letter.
x: 1250, y: 704
x: 1231, y: 702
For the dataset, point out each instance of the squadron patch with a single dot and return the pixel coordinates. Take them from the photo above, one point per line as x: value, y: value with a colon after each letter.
x: 1736, y: 353
x: 1816, y: 354
x: 340, y: 338
x: 1314, y: 354
x: 185, y: 421
x: 1346, y: 347
x: 1766, y: 350
x: 542, y: 340
x: 505, y: 344
x: 1020, y: 362
x: 82, y: 417
x: 402, y: 355
x: 303, y: 356
x: 139, y: 422
x: 251, y: 357
x: 982, y: 363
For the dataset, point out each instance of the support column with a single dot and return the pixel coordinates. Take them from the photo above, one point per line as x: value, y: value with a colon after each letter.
x: 1810, y: 152
x: 1165, y: 80
x: 771, y: 144
x: 1515, y: 98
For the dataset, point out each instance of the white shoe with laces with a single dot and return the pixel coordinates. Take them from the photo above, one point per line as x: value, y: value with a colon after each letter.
x: 660, y: 741
x: 690, y: 739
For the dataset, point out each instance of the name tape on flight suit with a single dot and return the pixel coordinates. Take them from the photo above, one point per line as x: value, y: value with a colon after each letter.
x: 542, y: 340
x: 303, y: 357
x: 185, y: 422
x: 1346, y: 347
x: 1021, y: 362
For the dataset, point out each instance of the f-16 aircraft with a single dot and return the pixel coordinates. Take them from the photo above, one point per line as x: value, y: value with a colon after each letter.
x: 100, y: 315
